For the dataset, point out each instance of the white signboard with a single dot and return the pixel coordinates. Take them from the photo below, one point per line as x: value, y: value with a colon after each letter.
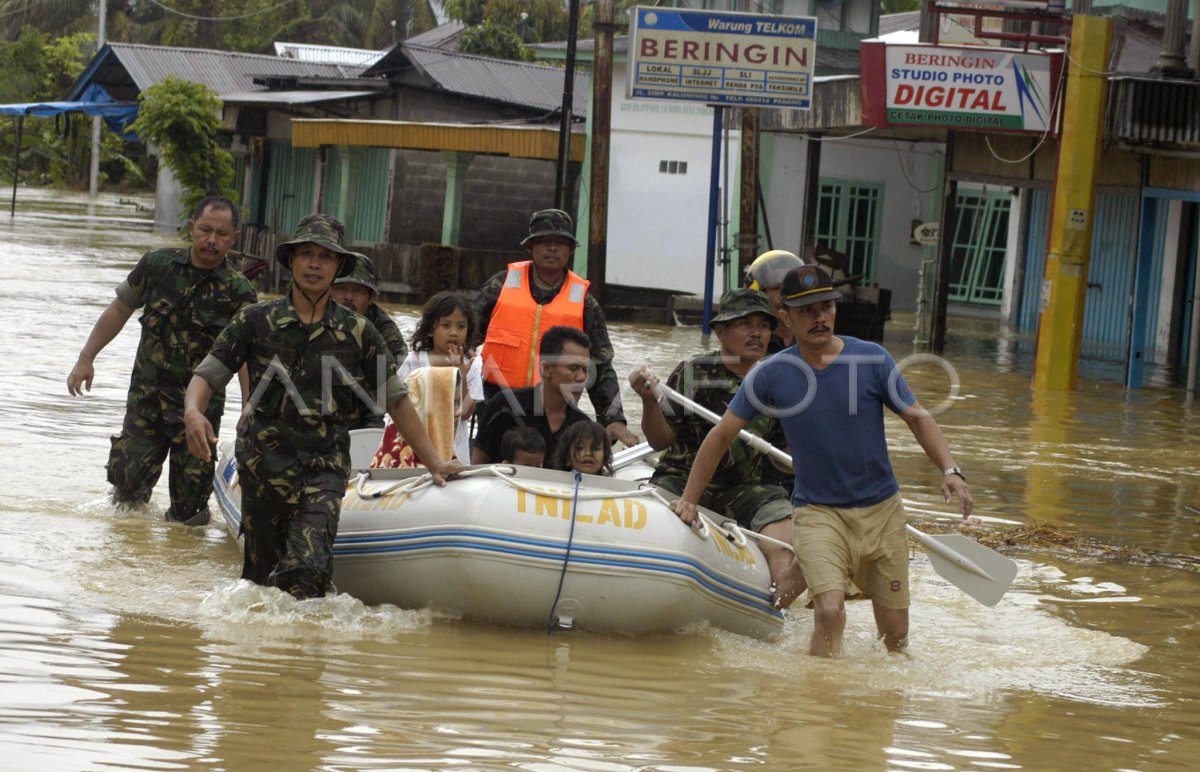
x: 722, y: 58
x: 990, y: 89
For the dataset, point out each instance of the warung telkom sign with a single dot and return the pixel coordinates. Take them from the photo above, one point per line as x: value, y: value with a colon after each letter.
x: 959, y: 87
x: 722, y: 58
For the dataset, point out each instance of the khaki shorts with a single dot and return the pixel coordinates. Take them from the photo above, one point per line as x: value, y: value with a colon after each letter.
x: 865, y: 544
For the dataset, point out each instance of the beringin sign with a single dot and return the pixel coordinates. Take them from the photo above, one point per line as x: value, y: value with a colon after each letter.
x: 722, y: 58
x: 959, y: 87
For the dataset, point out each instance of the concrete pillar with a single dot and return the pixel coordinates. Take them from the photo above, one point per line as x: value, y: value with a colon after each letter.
x: 456, y: 180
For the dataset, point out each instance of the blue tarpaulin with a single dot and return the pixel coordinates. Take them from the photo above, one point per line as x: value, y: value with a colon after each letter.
x: 95, y: 101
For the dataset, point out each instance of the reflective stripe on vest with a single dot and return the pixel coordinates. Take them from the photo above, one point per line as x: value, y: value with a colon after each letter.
x: 515, y: 329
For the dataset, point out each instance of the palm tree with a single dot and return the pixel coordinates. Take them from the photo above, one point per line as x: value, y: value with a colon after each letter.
x: 58, y: 16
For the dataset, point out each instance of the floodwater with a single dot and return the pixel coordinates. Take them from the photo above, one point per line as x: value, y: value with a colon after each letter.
x: 126, y: 642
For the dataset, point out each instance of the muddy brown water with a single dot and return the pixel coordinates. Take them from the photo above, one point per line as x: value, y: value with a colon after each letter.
x: 127, y: 643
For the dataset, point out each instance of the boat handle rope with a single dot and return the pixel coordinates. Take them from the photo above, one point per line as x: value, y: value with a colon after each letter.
x: 562, y: 577
x: 705, y: 525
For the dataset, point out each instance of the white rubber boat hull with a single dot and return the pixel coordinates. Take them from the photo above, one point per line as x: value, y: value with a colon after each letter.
x: 493, y: 548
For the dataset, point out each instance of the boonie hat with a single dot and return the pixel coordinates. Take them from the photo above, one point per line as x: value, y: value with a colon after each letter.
x: 550, y: 222
x: 363, y: 273
x: 807, y: 285
x: 737, y: 303
x: 769, y: 268
x: 323, y: 230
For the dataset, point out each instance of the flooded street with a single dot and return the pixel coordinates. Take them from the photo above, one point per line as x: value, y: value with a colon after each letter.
x: 127, y: 642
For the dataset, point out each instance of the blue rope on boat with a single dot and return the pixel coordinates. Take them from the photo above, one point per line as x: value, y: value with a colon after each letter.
x: 566, y: 555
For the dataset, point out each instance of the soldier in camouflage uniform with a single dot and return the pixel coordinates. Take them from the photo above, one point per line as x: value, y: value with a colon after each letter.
x: 746, y: 485
x: 189, y: 295
x: 293, y: 451
x: 357, y: 291
x: 551, y: 242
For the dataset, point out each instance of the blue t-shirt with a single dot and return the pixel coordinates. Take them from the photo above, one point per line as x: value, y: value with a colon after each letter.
x: 833, y: 420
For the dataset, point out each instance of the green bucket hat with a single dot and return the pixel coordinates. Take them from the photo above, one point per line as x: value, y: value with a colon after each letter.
x: 737, y: 303
x: 550, y: 222
x: 323, y: 230
x: 363, y: 273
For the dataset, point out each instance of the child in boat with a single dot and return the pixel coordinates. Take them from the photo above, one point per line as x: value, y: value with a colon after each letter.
x: 524, y: 445
x: 445, y: 337
x: 584, y: 447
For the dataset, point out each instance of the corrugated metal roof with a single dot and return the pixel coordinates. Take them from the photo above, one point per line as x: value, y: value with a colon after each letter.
x: 225, y: 72
x: 444, y: 36
x: 899, y: 22
x: 303, y: 97
x: 310, y: 52
x: 518, y: 83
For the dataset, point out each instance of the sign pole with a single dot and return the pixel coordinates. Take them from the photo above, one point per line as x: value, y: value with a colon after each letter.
x: 714, y: 194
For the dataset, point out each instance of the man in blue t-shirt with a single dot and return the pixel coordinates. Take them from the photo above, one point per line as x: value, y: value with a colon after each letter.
x: 829, y: 392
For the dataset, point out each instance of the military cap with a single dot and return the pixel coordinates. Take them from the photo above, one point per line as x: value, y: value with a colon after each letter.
x: 550, y: 223
x: 807, y: 285
x: 323, y: 230
x: 363, y: 273
x: 737, y: 303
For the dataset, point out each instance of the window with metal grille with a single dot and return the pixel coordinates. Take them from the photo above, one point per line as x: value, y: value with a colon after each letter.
x: 848, y: 221
x: 980, y: 243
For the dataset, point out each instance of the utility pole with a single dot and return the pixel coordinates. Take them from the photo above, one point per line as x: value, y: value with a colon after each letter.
x: 597, y: 265
x: 94, y: 168
x: 561, y: 194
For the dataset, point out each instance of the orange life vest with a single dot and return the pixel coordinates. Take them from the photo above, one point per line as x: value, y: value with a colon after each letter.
x: 510, y: 350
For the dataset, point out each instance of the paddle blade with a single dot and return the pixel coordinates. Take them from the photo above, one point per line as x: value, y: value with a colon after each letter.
x: 979, y: 571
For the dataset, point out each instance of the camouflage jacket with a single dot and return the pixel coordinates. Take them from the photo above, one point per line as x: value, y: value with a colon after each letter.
x: 390, y: 332
x: 308, y: 383
x: 185, y: 308
x: 605, y: 393
x: 707, y: 381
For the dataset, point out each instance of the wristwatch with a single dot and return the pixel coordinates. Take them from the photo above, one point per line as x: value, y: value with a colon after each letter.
x: 954, y: 470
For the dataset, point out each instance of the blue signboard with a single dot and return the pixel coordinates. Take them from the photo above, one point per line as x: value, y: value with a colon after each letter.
x: 742, y: 59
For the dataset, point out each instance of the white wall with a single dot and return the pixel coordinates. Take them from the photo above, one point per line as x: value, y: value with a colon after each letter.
x: 657, y: 222
x: 903, y: 168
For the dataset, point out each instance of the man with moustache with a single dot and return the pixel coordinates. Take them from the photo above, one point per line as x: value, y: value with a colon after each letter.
x: 829, y: 392
x: 189, y: 295
x: 744, y: 484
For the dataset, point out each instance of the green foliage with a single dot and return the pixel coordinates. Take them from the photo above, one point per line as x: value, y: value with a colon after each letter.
x: 899, y: 6
x: 492, y: 26
x: 23, y: 63
x: 490, y: 39
x: 180, y: 117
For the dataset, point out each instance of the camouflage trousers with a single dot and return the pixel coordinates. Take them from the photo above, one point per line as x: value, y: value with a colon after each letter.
x: 753, y: 506
x: 289, y: 544
x: 136, y: 460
